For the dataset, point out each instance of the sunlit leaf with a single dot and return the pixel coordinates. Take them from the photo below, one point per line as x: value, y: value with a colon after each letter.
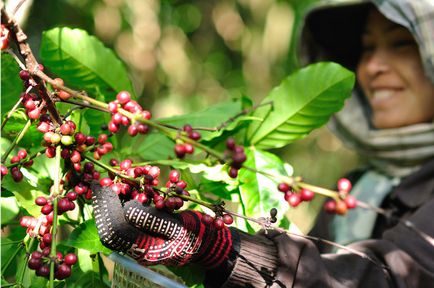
x: 16, y: 123
x: 258, y: 192
x: 11, y: 84
x: 83, y: 62
x: 301, y: 103
x: 9, y: 209
x: 85, y: 236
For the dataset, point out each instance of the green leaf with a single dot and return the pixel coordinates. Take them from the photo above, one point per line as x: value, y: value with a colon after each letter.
x: 83, y: 62
x: 301, y: 103
x: 154, y: 146
x: 24, y: 193
x: 11, y: 84
x: 85, y: 236
x: 9, y: 209
x: 16, y: 123
x: 258, y: 192
x: 211, y: 117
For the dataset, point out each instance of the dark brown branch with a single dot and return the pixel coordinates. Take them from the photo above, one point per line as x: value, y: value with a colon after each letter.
x: 20, y: 38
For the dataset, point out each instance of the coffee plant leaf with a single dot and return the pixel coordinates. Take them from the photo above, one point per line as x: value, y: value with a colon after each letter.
x: 11, y: 84
x: 17, y: 121
x: 303, y: 102
x: 25, y: 194
x: 85, y: 236
x: 258, y: 192
x: 83, y: 62
x: 87, y: 272
x: 9, y: 209
x: 154, y: 146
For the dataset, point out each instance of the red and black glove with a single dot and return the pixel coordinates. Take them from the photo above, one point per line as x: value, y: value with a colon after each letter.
x: 153, y: 236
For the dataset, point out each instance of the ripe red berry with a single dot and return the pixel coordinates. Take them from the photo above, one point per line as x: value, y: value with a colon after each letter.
x: 70, y: 259
x: 330, y: 206
x: 218, y: 223
x: 63, y: 271
x: 207, y: 219
x: 283, y: 187
x: 50, y: 151
x: 294, y: 200
x: 41, y: 201
x: 227, y: 219
x: 30, y: 105
x: 189, y: 149
x: 344, y: 185
x: 43, y: 127
x: 43, y: 271
x: 15, y: 159
x: 133, y: 130
x: 233, y: 172
x: 126, y: 164
x: 17, y: 175
x: 80, y: 138
x: 159, y: 204
x: 75, y: 157
x: 146, y: 114
x: 230, y: 143
x: 34, y: 114
x: 4, y: 171
x: 24, y: 75
x: 306, y: 194
x: 102, y: 138
x: 123, y: 97
x: 351, y: 201
x: 180, y: 150
x: 34, y: 263
x: 22, y: 153
x: 72, y: 196
x: 65, y: 129
x: 174, y: 176
x: 46, y: 209
x: 47, y: 238
x: 113, y: 107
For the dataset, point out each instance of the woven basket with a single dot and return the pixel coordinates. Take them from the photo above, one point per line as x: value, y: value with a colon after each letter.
x: 128, y: 274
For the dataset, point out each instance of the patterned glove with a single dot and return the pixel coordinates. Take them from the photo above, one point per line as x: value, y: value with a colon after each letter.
x: 152, y: 236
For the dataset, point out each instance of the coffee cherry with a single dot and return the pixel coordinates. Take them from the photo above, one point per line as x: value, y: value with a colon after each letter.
x: 133, y: 130
x: 218, y: 223
x: 4, y: 171
x: 294, y: 200
x: 72, y: 196
x: 43, y: 127
x: 233, y: 172
x: 344, y: 185
x: 64, y: 95
x: 22, y: 153
x: 90, y: 140
x: 227, y: 219
x: 17, y: 175
x: 30, y: 105
x: 63, y: 271
x: 55, y: 138
x: 43, y: 271
x: 50, y: 152
x: 34, y: 263
x: 181, y: 184
x: 79, y: 138
x: 142, y: 128
x: 34, y: 114
x: 15, y: 159
x: 159, y: 204
x: 47, y: 238
x: 283, y: 187
x: 123, y: 97
x: 207, y: 219
x: 24, y: 75
x: 341, y: 208
x: 146, y: 114
x: 180, y: 150
x: 113, y: 107
x: 230, y: 143
x: 75, y: 157
x: 70, y: 259
x: 41, y: 201
x: 330, y: 206
x: 58, y: 82
x: 194, y: 135
x: 174, y: 176
x: 46, y: 209
x: 67, y: 140
x: 126, y: 164
x: 351, y: 201
x: 306, y: 194
x: 189, y: 149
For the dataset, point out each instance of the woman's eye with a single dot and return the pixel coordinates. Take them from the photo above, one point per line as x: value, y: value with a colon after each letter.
x: 403, y: 43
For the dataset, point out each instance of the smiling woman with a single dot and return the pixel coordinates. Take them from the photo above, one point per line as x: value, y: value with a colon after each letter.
x: 391, y: 75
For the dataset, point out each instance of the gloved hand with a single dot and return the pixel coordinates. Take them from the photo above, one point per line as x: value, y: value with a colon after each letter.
x: 153, y: 236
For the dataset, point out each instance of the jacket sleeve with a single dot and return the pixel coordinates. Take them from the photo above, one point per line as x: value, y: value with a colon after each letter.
x: 403, y: 257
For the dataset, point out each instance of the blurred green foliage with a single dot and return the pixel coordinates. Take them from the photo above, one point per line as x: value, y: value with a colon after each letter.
x: 186, y: 55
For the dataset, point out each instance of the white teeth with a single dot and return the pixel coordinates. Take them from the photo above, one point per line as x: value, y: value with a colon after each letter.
x: 382, y: 94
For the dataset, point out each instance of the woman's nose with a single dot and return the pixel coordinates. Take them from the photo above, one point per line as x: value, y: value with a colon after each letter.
x: 377, y: 62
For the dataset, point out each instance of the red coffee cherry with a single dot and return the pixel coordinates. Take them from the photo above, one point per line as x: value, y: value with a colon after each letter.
x: 70, y: 259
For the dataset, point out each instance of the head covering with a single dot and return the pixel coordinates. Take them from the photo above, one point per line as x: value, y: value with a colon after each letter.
x: 332, y: 32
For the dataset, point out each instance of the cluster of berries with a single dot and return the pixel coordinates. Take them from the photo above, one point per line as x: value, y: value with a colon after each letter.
x: 182, y: 148
x: 40, y: 262
x: 123, y: 100
x: 345, y: 202
x: 219, y: 221
x: 295, y: 198
x: 236, y: 154
x: 17, y: 175
x: 32, y: 103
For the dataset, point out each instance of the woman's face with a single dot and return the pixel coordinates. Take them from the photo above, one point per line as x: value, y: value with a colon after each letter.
x: 391, y: 75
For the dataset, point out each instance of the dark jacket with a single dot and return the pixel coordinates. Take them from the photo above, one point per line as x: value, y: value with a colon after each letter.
x: 400, y: 254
